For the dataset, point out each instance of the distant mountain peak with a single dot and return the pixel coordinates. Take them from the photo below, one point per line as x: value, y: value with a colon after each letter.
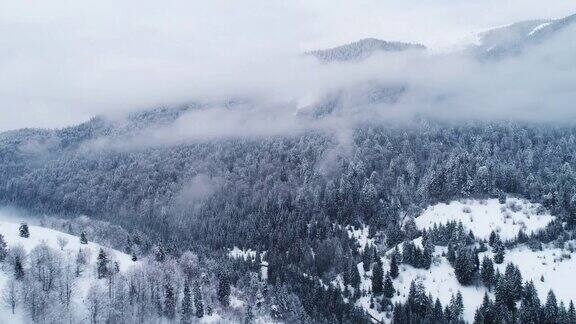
x: 515, y: 38
x: 362, y: 49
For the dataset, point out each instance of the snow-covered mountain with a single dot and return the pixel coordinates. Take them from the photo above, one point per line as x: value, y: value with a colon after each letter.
x: 515, y: 38
x: 362, y: 49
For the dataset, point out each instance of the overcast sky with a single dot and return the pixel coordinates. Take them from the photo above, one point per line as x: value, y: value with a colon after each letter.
x: 64, y: 61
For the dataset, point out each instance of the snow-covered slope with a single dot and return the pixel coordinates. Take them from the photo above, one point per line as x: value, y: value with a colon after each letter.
x: 439, y: 280
x: 514, y: 38
x: 485, y: 216
x: 552, y: 264
x: 40, y: 235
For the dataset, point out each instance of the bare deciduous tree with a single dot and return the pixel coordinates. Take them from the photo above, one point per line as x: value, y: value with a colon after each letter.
x: 10, y: 296
x: 62, y: 242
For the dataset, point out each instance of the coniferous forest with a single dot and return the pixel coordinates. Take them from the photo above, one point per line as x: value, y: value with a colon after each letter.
x: 293, y: 197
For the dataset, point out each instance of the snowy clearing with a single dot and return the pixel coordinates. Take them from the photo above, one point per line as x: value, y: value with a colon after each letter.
x: 485, y: 216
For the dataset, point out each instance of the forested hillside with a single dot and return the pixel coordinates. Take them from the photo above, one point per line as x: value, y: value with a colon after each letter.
x: 291, y: 195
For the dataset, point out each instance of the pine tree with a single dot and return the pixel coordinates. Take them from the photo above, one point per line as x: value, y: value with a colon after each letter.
x: 24, y: 231
x: 198, y: 303
x: 377, y: 278
x: 83, y: 238
x: 394, y: 266
x: 102, y: 264
x: 169, y: 301
x: 487, y: 272
x: 18, y: 268
x: 186, y: 307
x: 388, y: 289
x: 223, y: 289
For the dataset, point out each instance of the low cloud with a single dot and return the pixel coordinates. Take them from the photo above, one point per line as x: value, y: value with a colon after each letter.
x: 63, y: 62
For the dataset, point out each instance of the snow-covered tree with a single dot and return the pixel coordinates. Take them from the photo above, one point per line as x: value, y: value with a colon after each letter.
x: 83, y: 238
x: 23, y: 230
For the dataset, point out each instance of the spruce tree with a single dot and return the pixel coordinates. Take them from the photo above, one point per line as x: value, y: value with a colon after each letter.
x: 571, y: 313
x: 498, y: 252
x: 388, y: 289
x: 18, y: 268
x: 550, y: 311
x: 562, y: 313
x: 169, y: 301
x: 492, y: 238
x: 367, y: 258
x: 530, y: 306
x: 451, y: 254
x: 198, y: 302
x: 3, y: 248
x: 487, y: 272
x: 457, y: 306
x: 464, y: 267
x: 352, y: 277
x: 513, y: 279
x: 83, y: 238
x: 438, y: 312
x: 102, y: 264
x: 394, y: 265
x: 249, y: 315
x: 186, y: 307
x: 377, y: 278
x: 427, y: 253
x: 23, y: 230
x: 484, y: 312
x: 223, y: 289
x: 160, y: 254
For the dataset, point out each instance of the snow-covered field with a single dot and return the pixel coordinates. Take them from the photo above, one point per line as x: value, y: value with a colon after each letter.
x: 552, y: 264
x: 485, y: 216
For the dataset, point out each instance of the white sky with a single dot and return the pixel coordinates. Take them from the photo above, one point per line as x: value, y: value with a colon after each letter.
x: 64, y: 61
